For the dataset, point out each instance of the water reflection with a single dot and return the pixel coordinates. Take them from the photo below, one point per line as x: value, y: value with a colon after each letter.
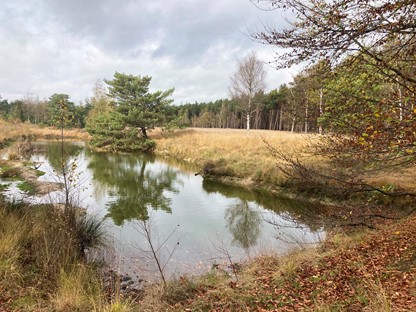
x: 130, y: 188
x: 133, y: 188
x: 243, y: 223
x: 58, y: 156
x: 298, y: 213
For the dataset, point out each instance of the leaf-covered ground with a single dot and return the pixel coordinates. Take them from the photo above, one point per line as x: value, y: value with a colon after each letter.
x: 375, y: 273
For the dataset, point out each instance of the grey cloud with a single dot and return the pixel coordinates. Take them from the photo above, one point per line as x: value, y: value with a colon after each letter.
x: 64, y: 46
x: 188, y: 27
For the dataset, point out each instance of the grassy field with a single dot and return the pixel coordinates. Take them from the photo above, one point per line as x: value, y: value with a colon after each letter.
x: 243, y: 157
x: 240, y: 154
x: 15, y: 130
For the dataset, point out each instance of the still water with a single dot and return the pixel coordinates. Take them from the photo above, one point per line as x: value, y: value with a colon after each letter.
x: 193, y: 222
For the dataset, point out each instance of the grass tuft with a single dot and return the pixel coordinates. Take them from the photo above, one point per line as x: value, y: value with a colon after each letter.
x: 42, y: 266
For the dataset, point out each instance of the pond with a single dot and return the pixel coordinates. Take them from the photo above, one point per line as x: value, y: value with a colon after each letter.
x: 194, y: 223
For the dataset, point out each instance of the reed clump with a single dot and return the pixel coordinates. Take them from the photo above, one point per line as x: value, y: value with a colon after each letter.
x: 42, y: 265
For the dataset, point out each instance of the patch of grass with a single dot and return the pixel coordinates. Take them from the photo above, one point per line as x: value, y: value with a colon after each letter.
x: 76, y: 289
x: 26, y: 187
x: 39, y: 173
x: 375, y: 296
x: 13, y: 130
x: 4, y: 186
x: 179, y: 290
x: 8, y: 172
x: 25, y: 303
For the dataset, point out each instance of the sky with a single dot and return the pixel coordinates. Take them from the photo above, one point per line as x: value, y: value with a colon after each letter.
x: 66, y: 46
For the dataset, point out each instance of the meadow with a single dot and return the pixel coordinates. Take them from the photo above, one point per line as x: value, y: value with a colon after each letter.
x: 236, y: 156
x: 15, y: 130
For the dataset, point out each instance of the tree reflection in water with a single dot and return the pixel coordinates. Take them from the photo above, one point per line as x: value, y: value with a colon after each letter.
x: 243, y: 223
x: 54, y: 155
x: 133, y: 188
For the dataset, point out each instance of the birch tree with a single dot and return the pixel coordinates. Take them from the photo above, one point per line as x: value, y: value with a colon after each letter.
x: 246, y: 83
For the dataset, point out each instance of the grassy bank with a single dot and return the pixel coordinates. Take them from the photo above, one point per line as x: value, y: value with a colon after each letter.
x: 10, y: 131
x: 41, y: 265
x: 244, y: 158
x: 42, y: 261
x: 41, y: 268
x: 236, y: 154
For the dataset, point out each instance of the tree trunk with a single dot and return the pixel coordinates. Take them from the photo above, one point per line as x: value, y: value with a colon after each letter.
x: 306, y: 129
x: 321, y: 111
x: 248, y: 121
x: 293, y: 124
x: 400, y: 103
x: 144, y: 132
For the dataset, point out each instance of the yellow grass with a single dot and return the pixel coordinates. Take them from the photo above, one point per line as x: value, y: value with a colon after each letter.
x: 194, y: 144
x: 243, y: 155
x: 14, y: 130
x: 400, y: 178
x: 236, y: 153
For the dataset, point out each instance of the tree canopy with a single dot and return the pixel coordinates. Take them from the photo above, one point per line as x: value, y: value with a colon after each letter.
x: 61, y: 111
x: 139, y: 107
x: 120, y: 120
x: 247, y: 83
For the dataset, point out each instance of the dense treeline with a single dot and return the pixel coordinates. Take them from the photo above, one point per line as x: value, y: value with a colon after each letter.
x: 346, y: 99
x: 281, y: 109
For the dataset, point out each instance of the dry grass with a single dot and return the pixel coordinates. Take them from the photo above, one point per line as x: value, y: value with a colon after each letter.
x: 12, y: 131
x: 38, y: 267
x: 195, y: 144
x: 81, y: 290
x: 399, y: 178
x: 244, y: 156
x: 235, y: 153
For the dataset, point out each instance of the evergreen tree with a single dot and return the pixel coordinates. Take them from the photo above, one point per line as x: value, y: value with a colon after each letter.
x: 140, y: 109
x: 122, y: 125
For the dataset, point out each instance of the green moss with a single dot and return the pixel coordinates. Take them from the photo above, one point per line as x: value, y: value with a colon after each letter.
x: 40, y: 173
x: 8, y: 172
x: 4, y: 187
x: 26, y: 187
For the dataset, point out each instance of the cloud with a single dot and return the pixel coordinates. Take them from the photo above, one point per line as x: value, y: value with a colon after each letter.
x: 59, y: 46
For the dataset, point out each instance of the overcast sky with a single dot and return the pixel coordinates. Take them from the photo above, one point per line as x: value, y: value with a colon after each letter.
x: 65, y: 46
